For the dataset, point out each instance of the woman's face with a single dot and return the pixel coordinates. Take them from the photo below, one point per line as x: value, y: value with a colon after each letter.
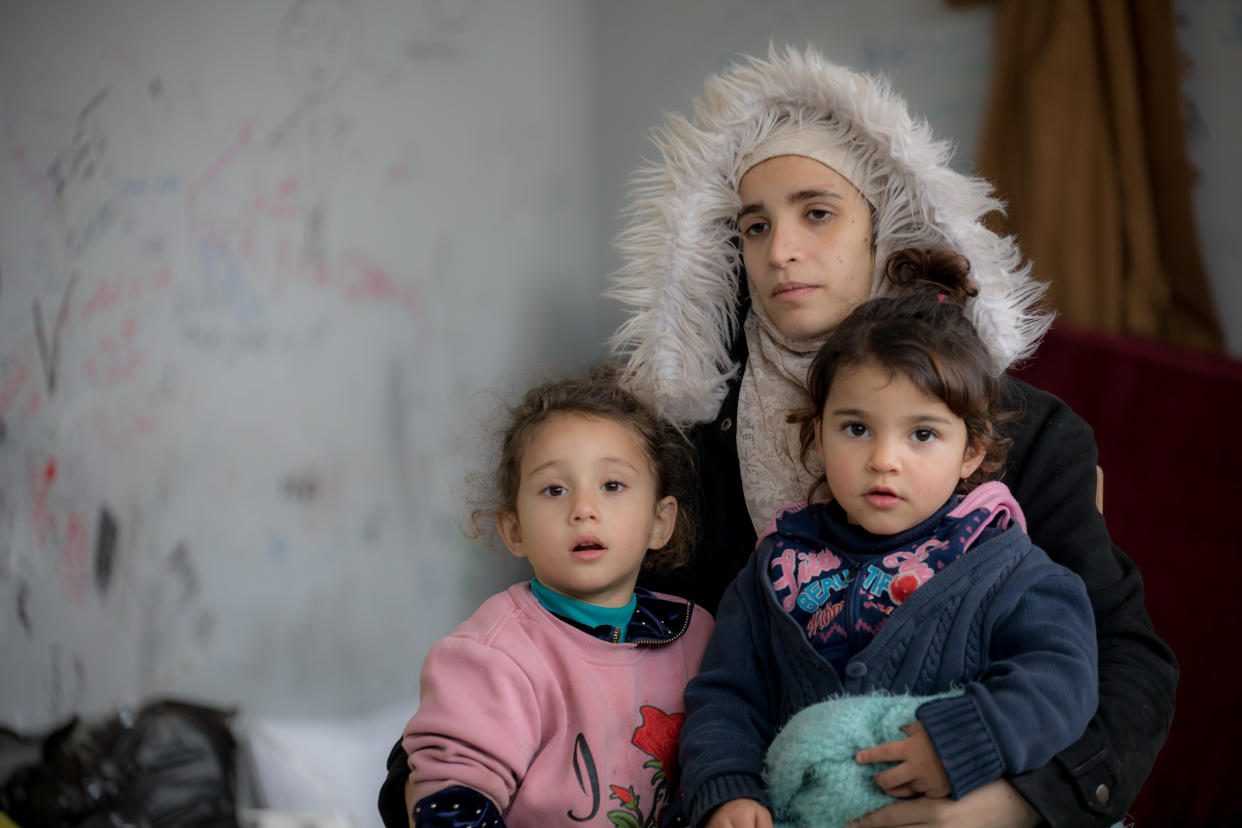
x: 806, y: 244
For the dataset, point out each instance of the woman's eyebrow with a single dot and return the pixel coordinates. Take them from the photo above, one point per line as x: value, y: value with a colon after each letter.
x: 811, y: 195
x: 795, y: 198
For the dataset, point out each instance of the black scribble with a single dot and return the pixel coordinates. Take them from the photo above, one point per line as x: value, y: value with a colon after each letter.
x: 85, y: 153
x: 56, y: 694
x: 49, y: 351
x: 180, y: 563
x: 301, y: 487
x: 105, y: 550
x: 23, y: 606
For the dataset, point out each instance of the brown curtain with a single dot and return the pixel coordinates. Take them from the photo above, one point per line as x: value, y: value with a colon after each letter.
x: 1085, y: 142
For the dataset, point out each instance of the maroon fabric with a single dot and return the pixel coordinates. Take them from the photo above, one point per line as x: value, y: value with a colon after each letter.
x: 1168, y: 423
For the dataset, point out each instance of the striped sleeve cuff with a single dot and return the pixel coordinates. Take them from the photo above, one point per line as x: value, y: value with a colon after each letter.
x: 962, y: 742
x: 720, y: 789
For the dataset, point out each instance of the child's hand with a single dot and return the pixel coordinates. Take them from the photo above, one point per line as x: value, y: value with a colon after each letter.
x: 740, y: 813
x: 919, y: 773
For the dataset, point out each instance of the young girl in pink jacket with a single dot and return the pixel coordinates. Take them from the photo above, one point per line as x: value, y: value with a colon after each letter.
x: 560, y: 700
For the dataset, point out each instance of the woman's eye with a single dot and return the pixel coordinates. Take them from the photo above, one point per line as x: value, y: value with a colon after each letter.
x: 553, y: 490
x: 614, y: 486
x: 923, y: 435
x: 755, y: 228
x: 855, y: 429
x: 818, y: 214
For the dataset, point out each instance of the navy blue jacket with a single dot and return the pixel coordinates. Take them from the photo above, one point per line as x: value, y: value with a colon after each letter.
x: 1003, y: 617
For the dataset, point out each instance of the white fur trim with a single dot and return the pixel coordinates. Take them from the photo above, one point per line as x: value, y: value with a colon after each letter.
x: 681, y: 265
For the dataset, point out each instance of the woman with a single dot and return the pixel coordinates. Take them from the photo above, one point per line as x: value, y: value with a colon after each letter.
x: 767, y: 220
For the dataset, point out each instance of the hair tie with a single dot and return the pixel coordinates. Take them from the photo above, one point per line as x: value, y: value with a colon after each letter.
x: 942, y: 297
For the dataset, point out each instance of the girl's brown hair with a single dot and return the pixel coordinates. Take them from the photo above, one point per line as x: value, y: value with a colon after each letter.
x: 599, y: 394
x: 920, y: 331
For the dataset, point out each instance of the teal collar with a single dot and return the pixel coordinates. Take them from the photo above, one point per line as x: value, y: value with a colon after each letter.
x: 589, y: 615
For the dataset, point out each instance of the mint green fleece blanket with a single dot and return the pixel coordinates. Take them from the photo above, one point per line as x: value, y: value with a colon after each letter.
x: 810, y: 770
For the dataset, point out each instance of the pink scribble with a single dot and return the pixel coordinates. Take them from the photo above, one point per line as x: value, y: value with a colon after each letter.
x: 374, y: 283
x: 229, y: 156
x: 106, y: 296
x: 399, y: 173
x: 14, y: 379
x: 117, y: 438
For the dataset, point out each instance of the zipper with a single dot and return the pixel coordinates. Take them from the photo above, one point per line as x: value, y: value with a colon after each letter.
x: 851, y: 596
x: 685, y: 625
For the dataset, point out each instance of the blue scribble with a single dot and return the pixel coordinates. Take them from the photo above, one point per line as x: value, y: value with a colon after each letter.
x: 227, y: 280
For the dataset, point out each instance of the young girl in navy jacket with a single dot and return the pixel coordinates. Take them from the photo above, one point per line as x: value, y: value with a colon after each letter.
x: 915, y: 585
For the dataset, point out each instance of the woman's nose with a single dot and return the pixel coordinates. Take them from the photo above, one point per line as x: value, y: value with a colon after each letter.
x: 785, y: 244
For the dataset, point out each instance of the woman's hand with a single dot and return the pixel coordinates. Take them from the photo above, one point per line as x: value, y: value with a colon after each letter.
x: 994, y: 804
x: 740, y: 813
x: 919, y: 771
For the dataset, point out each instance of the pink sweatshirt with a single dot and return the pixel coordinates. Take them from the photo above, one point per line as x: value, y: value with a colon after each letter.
x: 552, y: 725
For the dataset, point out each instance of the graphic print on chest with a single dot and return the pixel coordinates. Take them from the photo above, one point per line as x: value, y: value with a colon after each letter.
x: 657, y: 738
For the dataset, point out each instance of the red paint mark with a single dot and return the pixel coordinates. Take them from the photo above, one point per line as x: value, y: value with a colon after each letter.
x: 399, y: 173
x: 230, y: 155
x: 120, y: 435
x: 106, y: 296
x: 164, y: 278
x: 128, y: 327
x: 14, y: 379
x: 287, y: 187
x: 40, y: 486
x: 374, y: 283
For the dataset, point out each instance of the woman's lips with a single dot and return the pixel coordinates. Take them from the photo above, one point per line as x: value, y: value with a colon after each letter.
x: 790, y: 292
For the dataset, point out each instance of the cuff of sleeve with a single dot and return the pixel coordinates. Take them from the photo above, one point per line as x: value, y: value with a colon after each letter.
x: 719, y: 790
x: 962, y: 742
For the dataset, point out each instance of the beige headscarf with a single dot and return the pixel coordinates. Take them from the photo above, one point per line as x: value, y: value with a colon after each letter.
x: 768, y: 446
x: 774, y: 379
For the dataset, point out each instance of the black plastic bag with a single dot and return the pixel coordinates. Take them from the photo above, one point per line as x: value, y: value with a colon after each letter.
x: 169, y: 764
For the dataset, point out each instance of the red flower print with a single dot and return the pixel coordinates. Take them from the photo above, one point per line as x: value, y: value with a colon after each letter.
x: 657, y: 737
x: 626, y: 795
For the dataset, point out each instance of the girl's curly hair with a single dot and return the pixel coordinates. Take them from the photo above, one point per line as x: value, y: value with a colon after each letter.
x: 599, y: 394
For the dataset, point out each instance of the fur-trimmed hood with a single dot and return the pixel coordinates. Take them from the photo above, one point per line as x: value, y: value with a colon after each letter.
x: 682, y: 265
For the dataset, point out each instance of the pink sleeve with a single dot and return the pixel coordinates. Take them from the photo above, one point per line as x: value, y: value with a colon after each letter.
x: 477, y: 723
